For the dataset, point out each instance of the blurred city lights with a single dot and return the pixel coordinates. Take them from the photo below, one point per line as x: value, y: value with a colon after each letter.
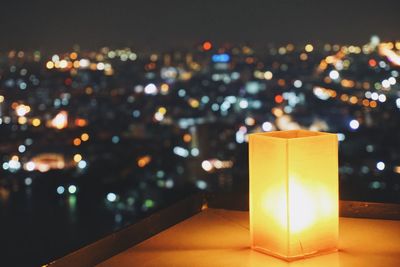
x: 143, y: 161
x: 201, y: 184
x: 150, y: 89
x: 146, y: 123
x: 84, y: 137
x: 334, y: 74
x: 380, y: 165
x: 22, y: 110
x: 309, y: 48
x: 60, y: 121
x: 354, y: 124
x: 82, y: 164
x: 77, y: 157
x: 268, y: 75
x: 206, y: 165
x: 267, y: 126
x: 111, y: 197
x: 21, y: 149
x: 207, y: 46
x: 60, y: 190
x: 72, y: 189
x: 28, y: 181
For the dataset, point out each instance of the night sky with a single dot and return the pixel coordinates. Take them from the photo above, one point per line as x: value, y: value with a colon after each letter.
x: 159, y: 25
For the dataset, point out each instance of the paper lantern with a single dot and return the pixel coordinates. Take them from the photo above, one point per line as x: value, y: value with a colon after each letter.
x: 293, y: 193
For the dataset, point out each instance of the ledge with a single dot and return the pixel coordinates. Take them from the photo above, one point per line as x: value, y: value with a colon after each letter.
x: 221, y: 238
x: 119, y: 243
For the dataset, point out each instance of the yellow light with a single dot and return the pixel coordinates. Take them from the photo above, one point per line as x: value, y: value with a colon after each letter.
x: 162, y: 110
x: 293, y: 193
x: 1, y: 99
x: 277, y: 112
x: 77, y: 157
x: 268, y: 75
x: 22, y: 120
x: 49, y: 65
x: 164, y: 88
x: 36, y: 122
x: 84, y: 137
x: 309, y: 48
x: 194, y: 103
x: 76, y: 64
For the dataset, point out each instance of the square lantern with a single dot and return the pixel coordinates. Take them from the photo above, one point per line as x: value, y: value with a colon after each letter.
x: 294, y: 201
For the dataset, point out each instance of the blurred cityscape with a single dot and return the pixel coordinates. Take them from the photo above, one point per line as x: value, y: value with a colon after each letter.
x: 94, y: 140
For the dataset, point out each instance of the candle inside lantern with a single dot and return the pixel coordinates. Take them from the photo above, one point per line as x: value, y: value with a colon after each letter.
x: 293, y: 193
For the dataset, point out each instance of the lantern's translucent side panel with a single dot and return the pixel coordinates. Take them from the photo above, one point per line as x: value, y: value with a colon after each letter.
x: 268, y: 194
x: 313, y: 195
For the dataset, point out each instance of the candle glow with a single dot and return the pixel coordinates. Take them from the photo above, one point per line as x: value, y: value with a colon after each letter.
x: 293, y: 193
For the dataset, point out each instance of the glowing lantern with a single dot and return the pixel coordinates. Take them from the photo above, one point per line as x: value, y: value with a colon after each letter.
x: 293, y: 193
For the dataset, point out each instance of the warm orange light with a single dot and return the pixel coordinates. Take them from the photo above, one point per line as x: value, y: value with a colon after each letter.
x: 73, y: 55
x: 84, y: 137
x: 187, y: 138
x: 207, y: 46
x: 77, y: 142
x: 278, y: 99
x: 281, y: 82
x: 143, y: 161
x: 293, y: 193
x: 80, y: 122
x: 353, y: 100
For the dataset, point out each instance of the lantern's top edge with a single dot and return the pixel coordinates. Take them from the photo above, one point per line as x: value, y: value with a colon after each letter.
x: 293, y: 134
